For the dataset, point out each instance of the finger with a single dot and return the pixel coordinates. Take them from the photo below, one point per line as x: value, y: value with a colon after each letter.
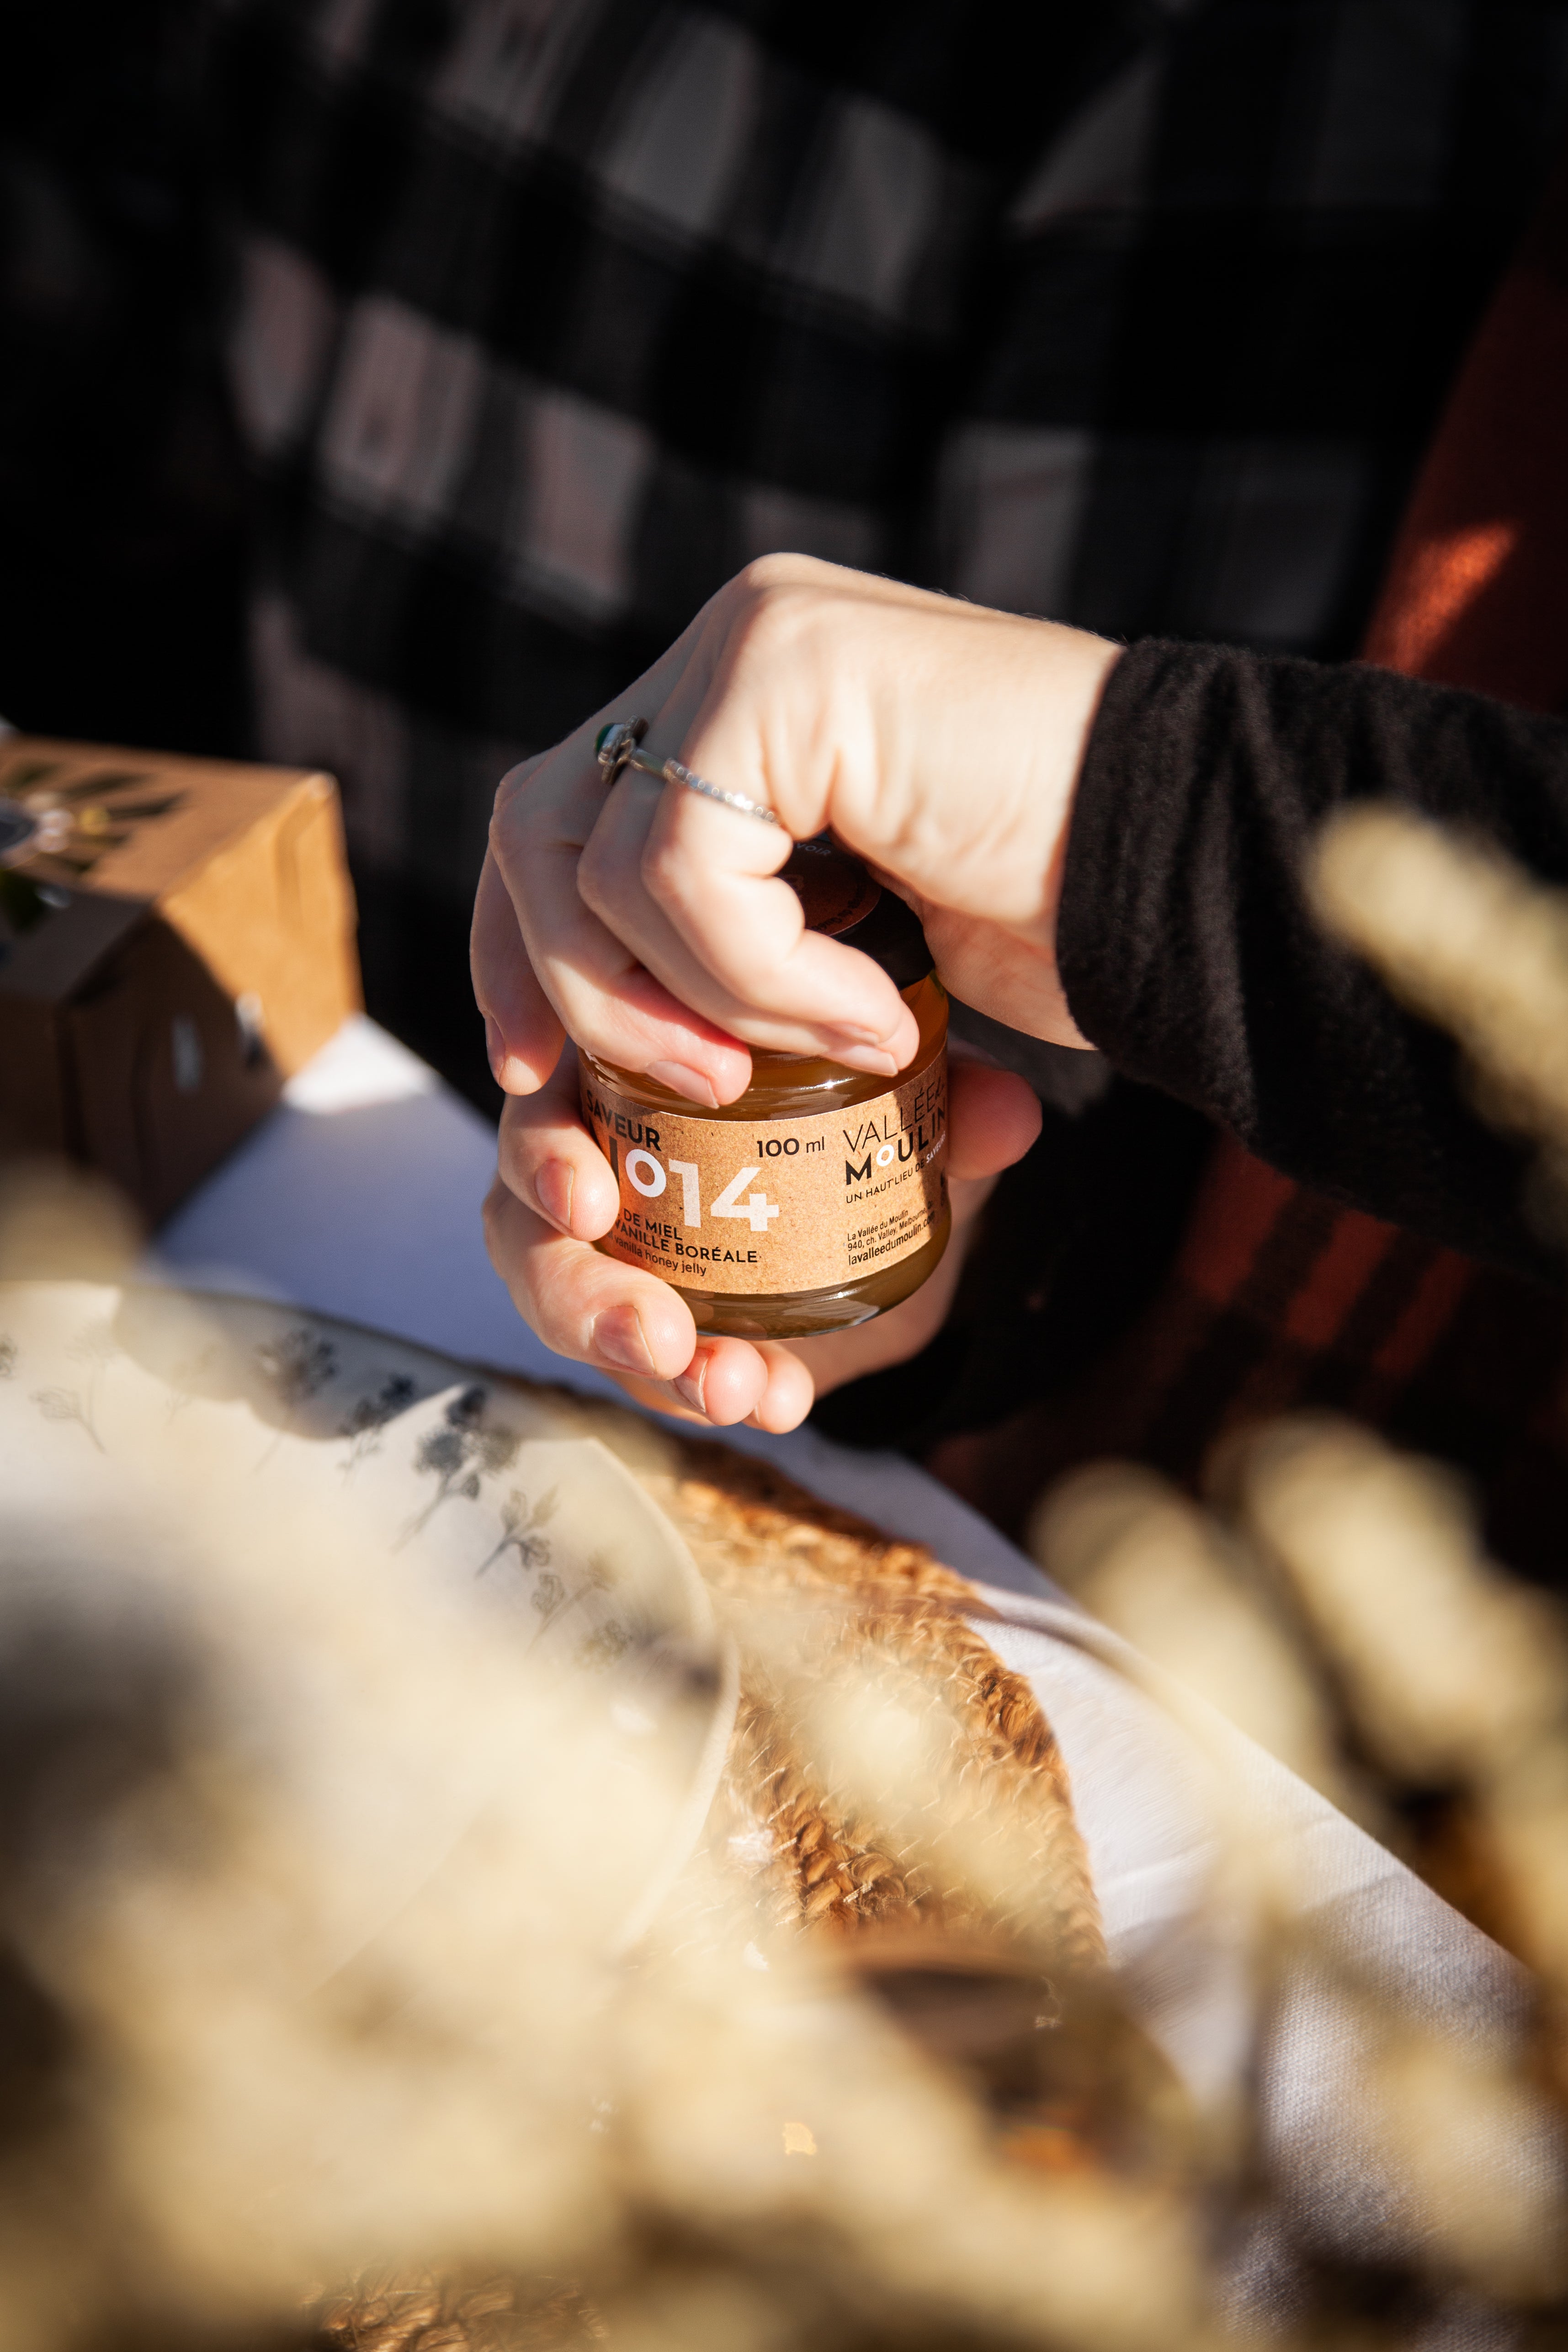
x: 771, y: 725
x: 790, y: 1392
x: 690, y: 1399
x: 523, y: 1035
x: 596, y: 988
x: 545, y: 816
x: 596, y: 1311
x: 735, y: 944
x: 725, y: 1381
x: 585, y: 1306
x: 549, y: 1158
x: 994, y: 1117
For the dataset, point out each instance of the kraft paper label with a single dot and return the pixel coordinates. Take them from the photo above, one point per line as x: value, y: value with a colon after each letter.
x: 770, y: 1207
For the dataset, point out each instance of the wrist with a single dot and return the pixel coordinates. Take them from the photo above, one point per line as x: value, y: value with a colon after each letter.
x: 1071, y: 687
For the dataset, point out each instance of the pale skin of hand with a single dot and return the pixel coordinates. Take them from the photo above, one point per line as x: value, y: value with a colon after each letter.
x: 941, y: 742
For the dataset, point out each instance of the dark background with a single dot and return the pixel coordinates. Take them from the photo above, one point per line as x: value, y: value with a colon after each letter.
x: 124, y: 502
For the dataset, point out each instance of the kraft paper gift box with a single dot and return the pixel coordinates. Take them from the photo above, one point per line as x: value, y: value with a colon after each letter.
x: 176, y: 939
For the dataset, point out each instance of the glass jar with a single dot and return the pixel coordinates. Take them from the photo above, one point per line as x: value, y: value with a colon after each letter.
x: 819, y: 1199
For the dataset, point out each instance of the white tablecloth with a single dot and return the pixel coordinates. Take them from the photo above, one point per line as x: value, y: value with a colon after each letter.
x: 361, y: 1198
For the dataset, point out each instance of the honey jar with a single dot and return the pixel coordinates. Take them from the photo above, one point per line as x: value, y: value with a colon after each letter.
x: 819, y: 1199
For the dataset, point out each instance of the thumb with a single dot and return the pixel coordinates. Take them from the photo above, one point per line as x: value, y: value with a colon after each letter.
x: 993, y: 1118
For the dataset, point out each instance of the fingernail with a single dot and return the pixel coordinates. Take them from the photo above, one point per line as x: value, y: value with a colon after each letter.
x: 618, y: 1337
x: 870, y: 1058
x: 494, y: 1046
x: 853, y: 1036
x: 689, y: 1386
x: 553, y: 1190
x: 683, y: 1081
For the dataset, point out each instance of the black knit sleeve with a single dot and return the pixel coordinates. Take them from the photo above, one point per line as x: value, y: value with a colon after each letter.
x: 1189, y: 953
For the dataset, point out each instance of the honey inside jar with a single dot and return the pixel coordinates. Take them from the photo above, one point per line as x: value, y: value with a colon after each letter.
x: 819, y: 1199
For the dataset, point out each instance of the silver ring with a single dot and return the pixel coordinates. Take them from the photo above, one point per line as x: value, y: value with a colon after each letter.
x: 621, y: 747
x: 676, y: 774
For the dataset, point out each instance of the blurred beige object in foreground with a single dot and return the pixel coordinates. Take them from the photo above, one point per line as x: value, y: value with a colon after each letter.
x: 395, y: 1735
x: 1455, y: 1675
x: 1471, y: 941
x: 1154, y: 1567
x: 1343, y: 1608
x: 362, y: 1718
x: 1450, y: 1668
x: 1468, y: 939
x: 63, y: 1222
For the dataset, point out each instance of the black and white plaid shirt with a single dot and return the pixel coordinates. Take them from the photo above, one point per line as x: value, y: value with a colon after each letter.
x: 1134, y: 313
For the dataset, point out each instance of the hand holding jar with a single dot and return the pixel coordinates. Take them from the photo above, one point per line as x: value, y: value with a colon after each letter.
x: 654, y: 926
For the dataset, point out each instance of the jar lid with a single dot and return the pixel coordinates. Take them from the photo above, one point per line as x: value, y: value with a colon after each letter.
x: 841, y: 899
